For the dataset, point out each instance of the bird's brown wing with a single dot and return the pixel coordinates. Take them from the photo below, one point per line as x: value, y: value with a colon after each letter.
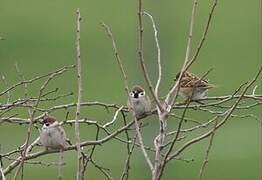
x: 192, y: 80
x: 148, y: 109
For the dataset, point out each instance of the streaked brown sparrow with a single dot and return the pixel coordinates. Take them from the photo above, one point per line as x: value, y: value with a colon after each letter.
x: 52, y: 134
x: 192, y: 87
x: 140, y: 102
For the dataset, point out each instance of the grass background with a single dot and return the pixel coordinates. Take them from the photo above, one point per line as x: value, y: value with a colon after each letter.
x: 40, y: 38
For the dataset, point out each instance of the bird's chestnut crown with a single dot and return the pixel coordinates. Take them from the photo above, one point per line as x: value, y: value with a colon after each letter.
x: 48, y: 120
x: 137, y: 92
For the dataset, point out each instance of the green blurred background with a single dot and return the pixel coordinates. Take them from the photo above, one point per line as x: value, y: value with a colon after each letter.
x: 40, y: 37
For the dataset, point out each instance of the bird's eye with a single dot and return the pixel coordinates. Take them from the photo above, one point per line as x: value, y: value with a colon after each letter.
x: 141, y: 93
x: 131, y: 94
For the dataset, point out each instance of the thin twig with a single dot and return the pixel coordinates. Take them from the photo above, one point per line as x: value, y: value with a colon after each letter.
x: 119, y: 61
x: 228, y: 115
x: 125, y: 173
x: 204, y: 34
x: 127, y: 93
x: 114, y: 118
x: 14, y: 164
x: 173, y: 93
x: 1, y: 171
x: 32, y: 114
x: 141, y: 57
x: 22, y: 77
x: 207, y: 152
x: 8, y: 93
x: 35, y: 79
x: 158, y: 52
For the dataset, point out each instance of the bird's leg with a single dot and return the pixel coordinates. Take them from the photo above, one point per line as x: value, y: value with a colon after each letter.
x: 61, y: 147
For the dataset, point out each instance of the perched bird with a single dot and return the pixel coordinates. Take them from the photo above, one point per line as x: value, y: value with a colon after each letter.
x: 52, y: 134
x: 192, y: 87
x: 140, y: 102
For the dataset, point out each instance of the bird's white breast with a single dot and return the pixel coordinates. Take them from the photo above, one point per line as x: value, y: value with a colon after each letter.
x: 52, y: 137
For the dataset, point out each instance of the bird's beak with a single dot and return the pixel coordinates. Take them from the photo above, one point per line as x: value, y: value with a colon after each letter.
x: 136, y: 95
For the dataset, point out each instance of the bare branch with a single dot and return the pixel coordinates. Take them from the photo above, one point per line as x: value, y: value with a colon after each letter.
x: 8, y: 93
x: 1, y: 172
x: 175, y: 89
x: 207, y: 152
x: 127, y: 92
x: 129, y: 133
x: 65, y: 68
x: 114, y: 118
x: 119, y: 61
x: 204, y: 34
x: 32, y: 114
x: 69, y: 148
x: 22, y: 78
x: 228, y: 115
x: 125, y: 173
x: 141, y: 57
x: 60, y: 164
x: 79, y: 95
x: 158, y: 53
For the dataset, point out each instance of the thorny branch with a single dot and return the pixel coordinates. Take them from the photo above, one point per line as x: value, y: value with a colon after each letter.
x: 141, y: 56
x: 165, y: 148
x: 120, y: 64
x: 79, y: 96
x: 201, y: 172
x: 36, y: 120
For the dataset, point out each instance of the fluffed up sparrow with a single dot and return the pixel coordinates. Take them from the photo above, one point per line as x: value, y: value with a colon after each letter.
x: 140, y: 102
x: 192, y: 87
x: 52, y: 134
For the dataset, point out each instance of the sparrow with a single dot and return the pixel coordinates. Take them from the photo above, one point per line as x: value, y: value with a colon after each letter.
x: 52, y: 134
x: 192, y: 87
x: 139, y: 101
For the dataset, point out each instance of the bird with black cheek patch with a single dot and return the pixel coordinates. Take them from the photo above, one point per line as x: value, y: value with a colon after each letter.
x: 140, y: 102
x: 192, y: 87
x: 52, y: 134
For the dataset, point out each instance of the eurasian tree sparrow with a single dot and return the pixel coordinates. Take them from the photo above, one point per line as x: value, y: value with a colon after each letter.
x: 140, y: 102
x: 192, y: 87
x: 52, y: 134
